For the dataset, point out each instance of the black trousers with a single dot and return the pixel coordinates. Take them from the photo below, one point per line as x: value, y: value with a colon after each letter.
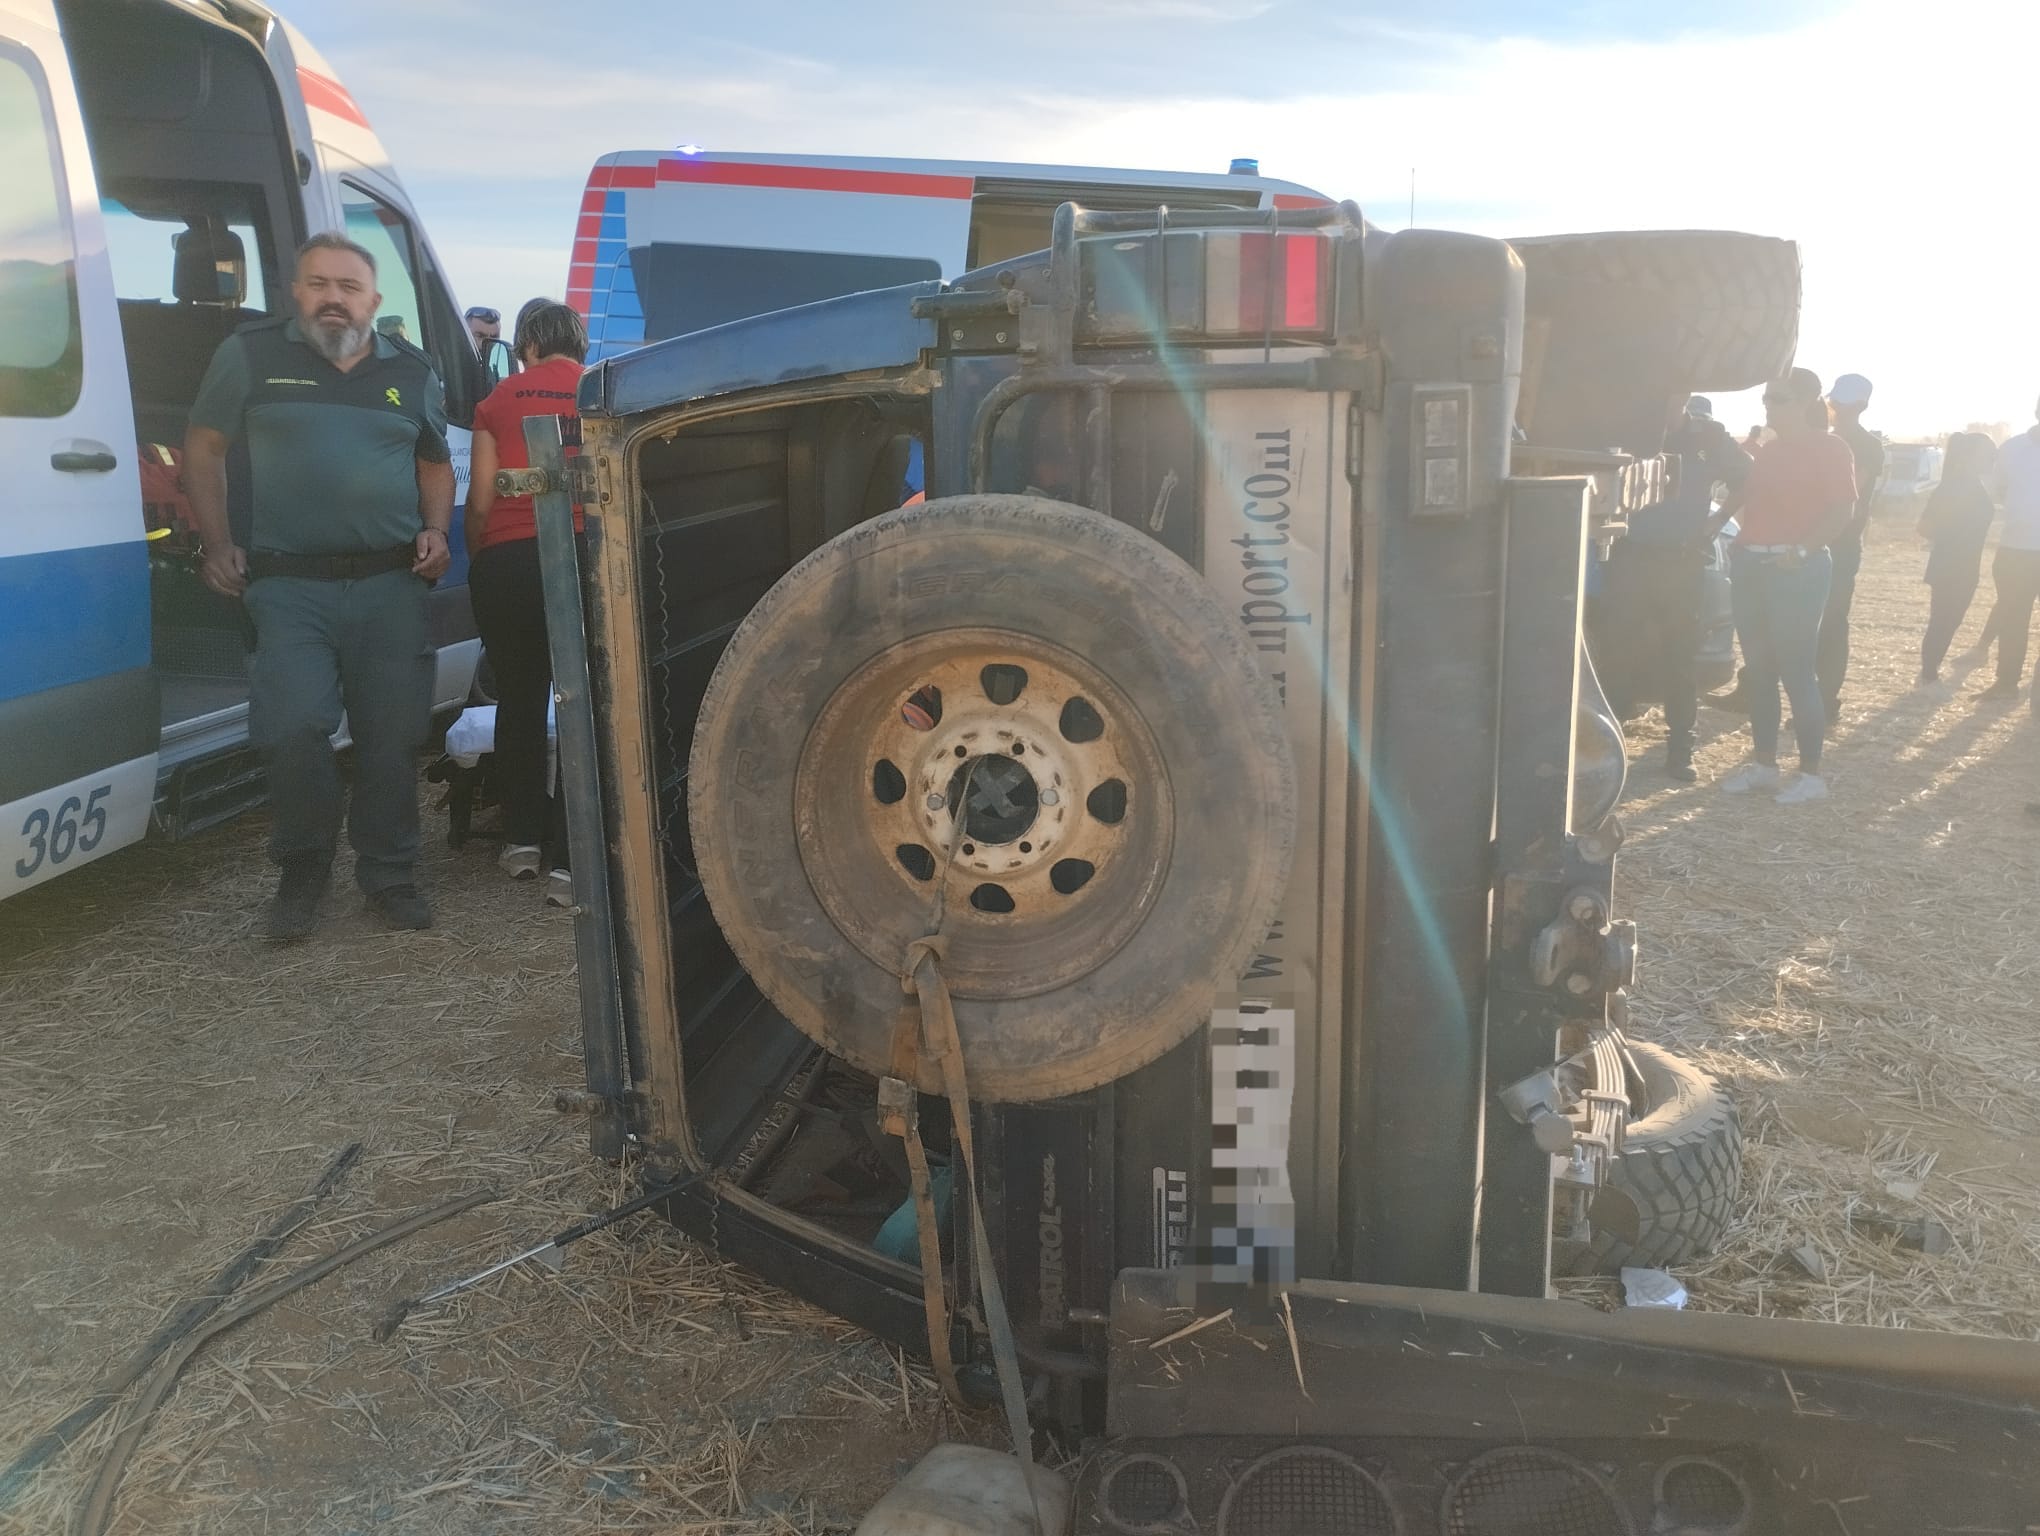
x: 2017, y: 574
x: 509, y: 603
x: 1663, y: 586
x: 1951, y: 599
x: 1831, y: 661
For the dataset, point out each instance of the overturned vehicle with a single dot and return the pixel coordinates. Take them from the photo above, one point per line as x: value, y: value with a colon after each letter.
x: 1136, y: 925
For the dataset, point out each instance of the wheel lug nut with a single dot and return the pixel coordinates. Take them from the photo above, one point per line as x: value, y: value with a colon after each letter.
x: 936, y: 802
x: 1049, y: 797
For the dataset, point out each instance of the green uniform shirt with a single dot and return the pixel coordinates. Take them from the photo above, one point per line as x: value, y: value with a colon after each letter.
x: 334, y: 454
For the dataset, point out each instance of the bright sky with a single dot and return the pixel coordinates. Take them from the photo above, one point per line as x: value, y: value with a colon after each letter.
x: 1890, y: 139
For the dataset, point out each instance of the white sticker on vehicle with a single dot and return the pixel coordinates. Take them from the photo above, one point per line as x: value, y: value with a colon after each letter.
x: 1276, y: 510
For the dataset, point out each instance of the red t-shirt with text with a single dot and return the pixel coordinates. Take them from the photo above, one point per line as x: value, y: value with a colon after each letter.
x: 547, y: 390
x: 1793, y: 483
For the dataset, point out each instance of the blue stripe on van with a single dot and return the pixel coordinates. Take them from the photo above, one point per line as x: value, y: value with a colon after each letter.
x: 72, y: 614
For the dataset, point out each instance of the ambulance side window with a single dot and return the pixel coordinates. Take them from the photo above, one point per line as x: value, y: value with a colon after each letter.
x: 41, y: 351
x: 386, y: 234
x: 414, y: 307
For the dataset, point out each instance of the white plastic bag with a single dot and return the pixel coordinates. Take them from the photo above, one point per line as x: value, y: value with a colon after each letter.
x: 1651, y: 1288
x: 475, y: 733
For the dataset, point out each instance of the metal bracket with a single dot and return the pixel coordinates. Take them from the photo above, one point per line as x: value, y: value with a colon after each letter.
x: 522, y: 482
x: 635, y: 1105
x: 1534, y: 1102
x: 1582, y: 951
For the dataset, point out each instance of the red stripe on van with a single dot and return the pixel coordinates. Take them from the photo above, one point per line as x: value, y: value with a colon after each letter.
x: 814, y: 178
x: 1294, y: 200
x: 592, y: 199
x: 331, y: 96
x: 589, y: 225
x: 633, y: 175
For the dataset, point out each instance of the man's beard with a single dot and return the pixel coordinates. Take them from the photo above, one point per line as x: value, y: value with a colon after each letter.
x: 336, y: 346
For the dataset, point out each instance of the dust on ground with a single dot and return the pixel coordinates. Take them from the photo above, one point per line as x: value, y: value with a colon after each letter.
x: 1861, y: 972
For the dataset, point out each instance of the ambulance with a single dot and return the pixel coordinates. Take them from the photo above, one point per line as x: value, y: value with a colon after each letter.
x: 673, y: 242
x: 164, y: 160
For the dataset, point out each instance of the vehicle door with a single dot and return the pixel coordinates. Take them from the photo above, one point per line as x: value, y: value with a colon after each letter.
x: 78, y: 711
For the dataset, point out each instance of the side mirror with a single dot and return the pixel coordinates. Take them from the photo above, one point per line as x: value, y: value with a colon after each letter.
x: 497, y: 361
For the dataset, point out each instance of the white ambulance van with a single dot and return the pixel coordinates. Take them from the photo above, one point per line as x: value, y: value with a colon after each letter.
x: 164, y: 158
x: 678, y: 241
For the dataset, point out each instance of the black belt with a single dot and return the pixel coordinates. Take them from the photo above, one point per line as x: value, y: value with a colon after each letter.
x: 269, y: 562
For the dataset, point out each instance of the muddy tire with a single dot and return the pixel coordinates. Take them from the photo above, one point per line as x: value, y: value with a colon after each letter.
x: 1026, y: 715
x: 1674, y: 1186
x: 1622, y: 325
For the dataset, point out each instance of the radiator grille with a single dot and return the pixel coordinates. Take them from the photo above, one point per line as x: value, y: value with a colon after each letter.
x: 1523, y: 1491
x: 1304, y: 1490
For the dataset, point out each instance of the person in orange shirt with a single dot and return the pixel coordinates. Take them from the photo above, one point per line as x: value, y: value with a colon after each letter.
x: 1799, y: 495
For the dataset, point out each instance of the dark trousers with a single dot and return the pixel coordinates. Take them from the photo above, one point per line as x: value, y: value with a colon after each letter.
x: 2017, y: 574
x: 1665, y: 585
x: 1951, y: 599
x: 1778, y: 608
x: 1831, y: 662
x: 321, y: 648
x: 509, y: 603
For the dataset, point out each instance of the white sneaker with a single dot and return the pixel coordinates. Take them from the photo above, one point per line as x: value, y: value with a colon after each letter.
x: 1750, y: 778
x: 519, y: 861
x: 1808, y: 786
x: 559, y: 889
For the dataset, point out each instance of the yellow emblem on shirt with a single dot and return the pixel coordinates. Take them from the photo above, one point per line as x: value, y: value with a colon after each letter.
x: 392, y: 396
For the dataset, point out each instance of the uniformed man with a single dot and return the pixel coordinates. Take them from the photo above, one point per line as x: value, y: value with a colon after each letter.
x: 353, y: 496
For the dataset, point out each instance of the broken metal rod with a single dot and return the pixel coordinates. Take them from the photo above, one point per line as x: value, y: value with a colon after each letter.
x: 546, y: 1253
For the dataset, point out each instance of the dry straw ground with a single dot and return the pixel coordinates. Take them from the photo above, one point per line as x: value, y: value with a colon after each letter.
x: 1862, y: 972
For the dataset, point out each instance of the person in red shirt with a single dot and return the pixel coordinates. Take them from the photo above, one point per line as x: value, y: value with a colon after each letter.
x: 1800, y: 494
x: 508, y: 596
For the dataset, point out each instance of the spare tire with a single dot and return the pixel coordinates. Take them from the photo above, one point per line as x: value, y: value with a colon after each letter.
x: 1620, y: 326
x: 1021, y: 721
x: 1671, y: 1193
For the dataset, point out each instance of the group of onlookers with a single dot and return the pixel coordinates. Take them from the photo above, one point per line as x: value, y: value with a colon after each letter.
x: 1799, y: 494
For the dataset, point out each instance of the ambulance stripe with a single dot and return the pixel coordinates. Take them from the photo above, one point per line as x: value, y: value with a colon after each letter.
x: 329, y: 96
x: 814, y: 178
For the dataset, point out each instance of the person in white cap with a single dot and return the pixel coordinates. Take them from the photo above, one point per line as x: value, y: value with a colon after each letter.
x: 1851, y: 393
